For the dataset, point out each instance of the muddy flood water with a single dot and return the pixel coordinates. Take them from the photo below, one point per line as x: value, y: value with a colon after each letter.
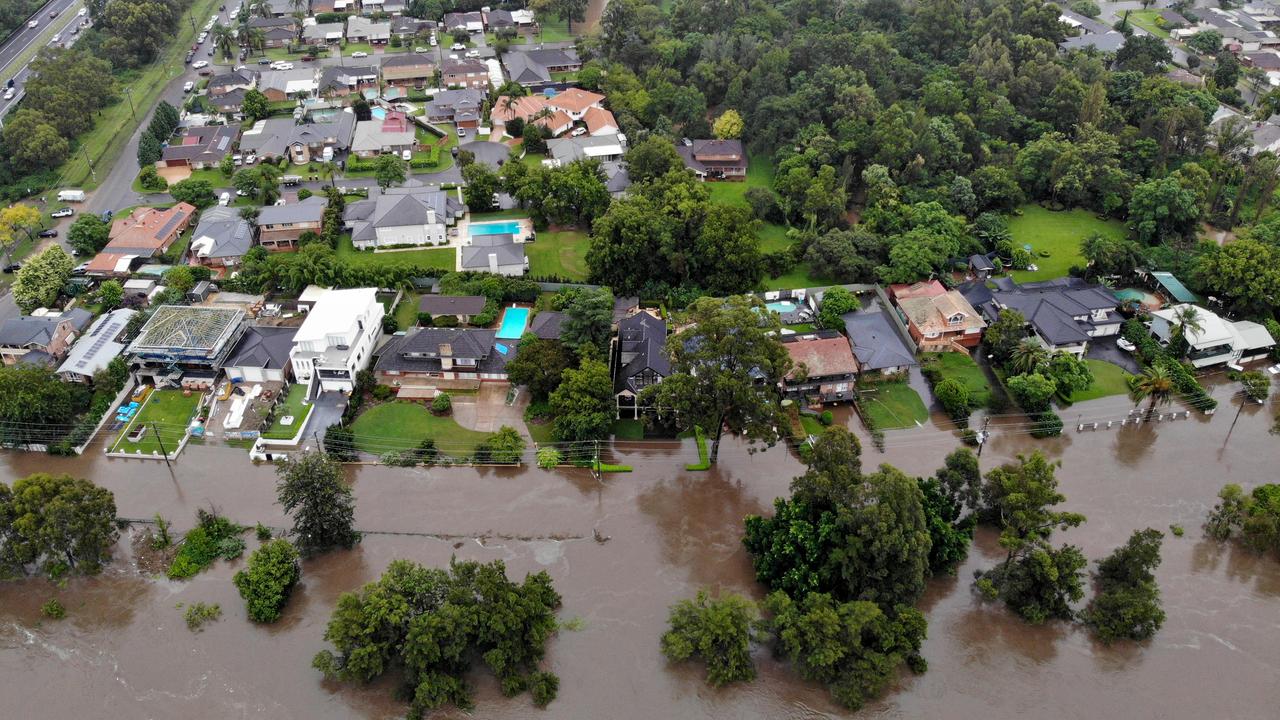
x: 124, y: 651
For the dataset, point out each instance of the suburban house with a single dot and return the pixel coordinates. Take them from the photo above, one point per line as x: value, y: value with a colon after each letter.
x: 494, y: 19
x: 714, y: 159
x: 229, y: 104
x: 460, y: 107
x: 425, y: 360
x: 616, y: 178
x: 278, y: 31
x: 144, y: 233
x: 262, y: 355
x: 344, y: 80
x: 464, y: 73
x: 372, y: 7
x: 1093, y: 34
x: 469, y: 21
x: 278, y: 137
x: 640, y: 360
x: 280, y: 8
x: 281, y: 85
x: 981, y: 266
x: 328, y: 6
x: 1217, y: 341
x: 199, y: 147
x: 337, y: 339
x: 576, y: 102
x: 394, y: 7
x: 534, y: 67
x: 402, y: 216
x: 823, y: 367
x: 280, y: 226
x: 364, y: 30
x: 97, y: 347
x: 408, y: 70
x: 547, y: 324
x: 606, y: 148
x: 462, y: 307
x: 600, y: 122
x: 42, y: 338
x: 497, y: 254
x: 323, y: 33
x: 405, y: 27
x: 393, y: 133
x: 876, y: 343
x: 185, y: 345
x: 938, y: 319
x: 533, y: 109
x: 1062, y: 314
x: 221, y: 238
x: 232, y: 80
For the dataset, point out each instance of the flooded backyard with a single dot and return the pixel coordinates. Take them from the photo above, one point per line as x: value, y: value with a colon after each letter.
x: 124, y: 650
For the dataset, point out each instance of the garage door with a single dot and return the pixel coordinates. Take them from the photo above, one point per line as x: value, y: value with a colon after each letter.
x: 252, y: 374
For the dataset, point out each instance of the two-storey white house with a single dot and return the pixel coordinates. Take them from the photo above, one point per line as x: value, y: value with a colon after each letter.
x: 337, y: 339
x: 402, y: 217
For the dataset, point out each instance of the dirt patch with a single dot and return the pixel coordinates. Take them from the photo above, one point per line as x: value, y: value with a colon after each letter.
x: 174, y: 174
x: 147, y: 557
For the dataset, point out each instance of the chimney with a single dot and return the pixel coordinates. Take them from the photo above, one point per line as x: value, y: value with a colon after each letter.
x: 446, y: 356
x: 431, y: 216
x: 493, y: 263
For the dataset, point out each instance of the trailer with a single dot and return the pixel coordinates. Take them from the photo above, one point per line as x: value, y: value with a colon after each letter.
x: 70, y: 196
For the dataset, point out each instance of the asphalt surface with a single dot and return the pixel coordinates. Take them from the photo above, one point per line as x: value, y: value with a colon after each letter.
x: 27, y: 36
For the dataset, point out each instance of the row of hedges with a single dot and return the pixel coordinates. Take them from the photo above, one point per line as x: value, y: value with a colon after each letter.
x: 431, y: 159
x: 1149, y: 352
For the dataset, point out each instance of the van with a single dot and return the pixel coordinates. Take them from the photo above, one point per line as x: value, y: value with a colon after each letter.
x: 225, y: 199
x: 327, y: 154
x: 291, y: 180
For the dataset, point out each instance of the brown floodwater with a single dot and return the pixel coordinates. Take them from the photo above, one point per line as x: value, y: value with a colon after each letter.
x: 124, y: 650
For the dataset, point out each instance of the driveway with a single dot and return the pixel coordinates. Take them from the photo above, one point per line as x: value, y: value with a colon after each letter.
x: 487, y: 410
x: 1105, y: 349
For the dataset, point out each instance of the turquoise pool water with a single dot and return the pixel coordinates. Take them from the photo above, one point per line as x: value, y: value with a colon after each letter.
x: 782, y: 307
x: 514, y: 321
x: 378, y: 113
x: 505, y: 227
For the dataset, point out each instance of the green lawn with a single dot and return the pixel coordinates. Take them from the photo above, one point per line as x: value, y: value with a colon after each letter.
x: 400, y: 425
x: 1108, y: 380
x: 1059, y: 234
x: 800, y: 276
x: 559, y: 254
x: 542, y: 433
x: 170, y: 411
x: 959, y: 366
x: 812, y: 426
x: 514, y: 214
x: 406, y: 313
x: 553, y: 29
x: 759, y: 174
x: 437, y: 258
x: 115, y: 124
x: 1146, y: 19
x: 533, y: 160
x: 773, y: 237
x: 628, y: 429
x: 894, y: 405
x: 292, y: 406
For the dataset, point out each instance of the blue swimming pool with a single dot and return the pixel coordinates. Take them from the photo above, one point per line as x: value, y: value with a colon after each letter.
x: 782, y: 307
x: 505, y: 227
x: 378, y: 113
x: 514, y: 321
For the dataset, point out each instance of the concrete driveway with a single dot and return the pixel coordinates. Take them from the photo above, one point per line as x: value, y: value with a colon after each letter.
x: 487, y: 410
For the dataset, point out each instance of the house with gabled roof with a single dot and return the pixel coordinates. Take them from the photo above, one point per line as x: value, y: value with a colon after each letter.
x: 876, y: 344
x: 363, y: 30
x: 462, y: 107
x: 43, y: 338
x: 393, y: 133
x: 281, y: 136
x: 280, y: 226
x: 401, y: 217
x: 640, y: 361
x: 469, y: 21
x: 1063, y: 314
x: 344, y: 80
x: 323, y: 33
x: 199, y: 147
x: 443, y: 357
x: 823, y: 367
x: 97, y: 347
x: 144, y: 233
x: 938, y: 319
x: 714, y: 159
x: 466, y: 72
x: 408, y: 70
x: 221, y: 238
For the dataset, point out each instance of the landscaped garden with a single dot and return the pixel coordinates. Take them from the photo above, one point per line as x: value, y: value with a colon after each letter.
x: 1108, y: 380
x: 558, y: 254
x: 398, y: 426
x: 961, y: 367
x: 893, y: 405
x: 167, y: 412
x: 438, y: 258
x: 1058, y: 234
x: 292, y: 407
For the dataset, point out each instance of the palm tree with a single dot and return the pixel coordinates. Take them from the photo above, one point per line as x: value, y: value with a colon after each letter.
x: 1027, y: 356
x: 329, y: 171
x: 255, y: 38
x: 1154, y: 384
x: 261, y: 8
x: 299, y: 7
x: 224, y: 39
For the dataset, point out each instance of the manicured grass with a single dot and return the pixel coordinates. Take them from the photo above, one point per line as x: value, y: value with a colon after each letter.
x: 170, y: 411
x: 115, y: 124
x: 533, y: 160
x: 292, y: 406
x: 1108, y: 380
x: 515, y: 214
x: 1146, y: 19
x: 437, y: 258
x: 564, y: 76
x: 541, y: 432
x: 895, y: 405
x: 773, y: 237
x: 628, y: 429
x: 759, y: 174
x: 558, y: 254
x: 959, y: 366
x: 1058, y: 233
x: 406, y: 313
x: 800, y: 276
x: 811, y: 425
x: 553, y: 29
x: 400, y: 425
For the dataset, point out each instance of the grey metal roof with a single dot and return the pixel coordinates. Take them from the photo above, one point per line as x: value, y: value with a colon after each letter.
x: 263, y: 347
x: 27, y: 330
x: 452, y: 304
x: 1105, y: 42
x: 341, y: 76
x: 477, y: 256
x: 524, y: 70
x: 231, y: 234
x: 875, y: 342
x: 400, y: 207
x: 420, y: 350
x: 309, y: 210
x: 547, y: 324
x: 99, y: 346
x: 1059, y: 310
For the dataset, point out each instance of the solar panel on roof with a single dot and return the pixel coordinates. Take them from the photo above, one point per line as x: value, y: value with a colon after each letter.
x: 222, y: 144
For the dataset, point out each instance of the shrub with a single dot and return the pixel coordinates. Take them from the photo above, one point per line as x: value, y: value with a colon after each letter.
x: 447, y: 321
x: 263, y: 532
x: 200, y: 613
x: 1046, y: 424
x: 442, y: 404
x: 383, y: 392
x: 954, y: 397
x: 265, y: 584
x: 53, y: 610
x: 425, y: 320
x: 826, y: 418
x: 548, y: 457
x: 304, y: 193
x: 214, y: 536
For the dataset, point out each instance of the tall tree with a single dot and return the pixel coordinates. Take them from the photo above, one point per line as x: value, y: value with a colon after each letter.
x: 312, y: 489
x: 54, y: 525
x: 588, y: 321
x: 42, y: 278
x: 1127, y: 605
x: 539, y: 365
x: 584, y: 403
x: 717, y: 631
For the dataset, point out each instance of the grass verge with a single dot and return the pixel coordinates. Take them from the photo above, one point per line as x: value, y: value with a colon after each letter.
x: 895, y: 405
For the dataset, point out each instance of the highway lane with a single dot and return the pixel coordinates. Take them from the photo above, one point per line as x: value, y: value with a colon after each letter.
x: 67, y: 18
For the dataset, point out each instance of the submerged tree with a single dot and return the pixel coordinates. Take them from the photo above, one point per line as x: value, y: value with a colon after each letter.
x: 54, y: 525
x: 1127, y: 605
x: 312, y: 488
x: 717, y: 631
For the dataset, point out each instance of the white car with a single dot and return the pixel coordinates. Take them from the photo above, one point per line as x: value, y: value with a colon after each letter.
x: 421, y: 49
x: 200, y: 64
x: 281, y: 66
x: 82, y: 12
x: 406, y: 155
x: 188, y: 87
x: 64, y: 212
x: 33, y: 23
x: 54, y: 40
x: 457, y: 46
x: 359, y: 53
x: 225, y: 200
x: 250, y: 159
x: 578, y: 132
x: 472, y: 54
x: 433, y: 41
x: 8, y: 94
x: 1125, y: 345
x: 241, y: 193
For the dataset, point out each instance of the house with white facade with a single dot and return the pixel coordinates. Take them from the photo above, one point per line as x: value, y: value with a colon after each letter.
x: 1217, y: 341
x: 402, y: 217
x: 337, y: 339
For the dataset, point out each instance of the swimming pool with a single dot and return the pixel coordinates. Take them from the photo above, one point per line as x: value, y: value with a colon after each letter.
x: 514, y: 321
x: 782, y: 307
x: 378, y: 113
x: 505, y: 227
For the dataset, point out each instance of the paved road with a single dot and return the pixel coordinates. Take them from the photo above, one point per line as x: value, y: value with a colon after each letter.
x: 23, y: 40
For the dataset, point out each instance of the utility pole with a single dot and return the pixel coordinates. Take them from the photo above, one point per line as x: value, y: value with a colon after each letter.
x: 92, y: 173
x: 128, y: 92
x: 983, y: 435
x: 595, y: 467
x: 163, y: 453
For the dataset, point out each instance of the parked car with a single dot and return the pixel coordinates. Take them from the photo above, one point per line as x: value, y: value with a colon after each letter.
x: 188, y: 86
x: 578, y: 132
x: 190, y: 55
x: 359, y: 54
x: 9, y: 83
x: 54, y: 13
x: 237, y: 159
x: 472, y: 54
x: 82, y: 12
x: 225, y: 199
x: 13, y: 268
x: 199, y: 64
x: 64, y: 212
x: 250, y: 159
x: 47, y: 233
x: 205, y: 72
x: 1125, y: 345
x: 8, y: 94
x: 307, y: 58
x: 462, y: 132
x: 457, y: 46
x: 241, y: 193
x: 106, y: 216
x: 80, y: 269
x: 56, y: 37
x: 406, y: 155
x: 421, y: 50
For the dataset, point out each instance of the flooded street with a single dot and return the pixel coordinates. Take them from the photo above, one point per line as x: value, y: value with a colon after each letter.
x: 124, y: 650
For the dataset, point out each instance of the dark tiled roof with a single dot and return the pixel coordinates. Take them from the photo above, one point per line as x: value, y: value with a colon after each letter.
x: 546, y: 325
x: 644, y: 338
x: 1052, y: 307
x: 263, y: 347
x: 875, y: 343
x: 419, y: 350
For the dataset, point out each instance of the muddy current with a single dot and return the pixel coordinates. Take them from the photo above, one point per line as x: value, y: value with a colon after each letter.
x: 622, y: 550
